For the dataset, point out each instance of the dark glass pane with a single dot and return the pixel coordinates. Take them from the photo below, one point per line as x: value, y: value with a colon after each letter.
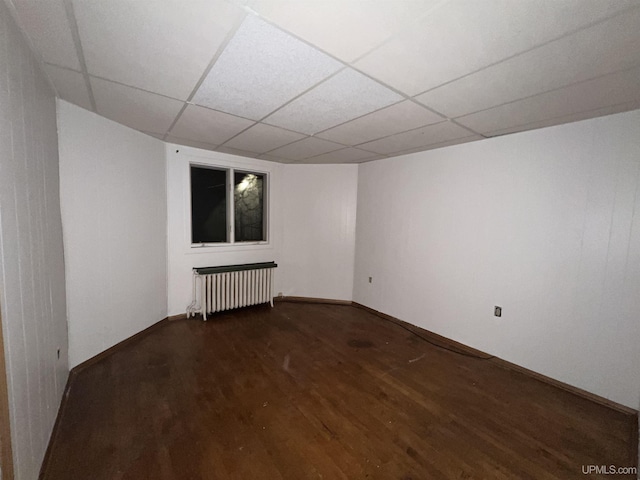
x: 208, y: 205
x: 249, y: 207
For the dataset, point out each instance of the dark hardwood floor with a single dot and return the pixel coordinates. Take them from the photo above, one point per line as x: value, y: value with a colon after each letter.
x: 321, y: 391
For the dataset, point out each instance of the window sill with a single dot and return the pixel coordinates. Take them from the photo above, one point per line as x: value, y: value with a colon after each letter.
x: 226, y: 247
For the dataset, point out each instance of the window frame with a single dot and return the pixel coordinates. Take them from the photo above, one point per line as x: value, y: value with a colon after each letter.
x: 230, y: 211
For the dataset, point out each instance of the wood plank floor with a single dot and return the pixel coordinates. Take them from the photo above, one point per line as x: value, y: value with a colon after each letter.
x: 321, y: 391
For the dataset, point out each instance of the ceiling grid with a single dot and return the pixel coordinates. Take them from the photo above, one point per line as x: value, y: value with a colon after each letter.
x: 328, y: 81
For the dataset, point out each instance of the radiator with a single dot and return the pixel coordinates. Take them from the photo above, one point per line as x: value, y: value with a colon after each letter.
x: 233, y: 286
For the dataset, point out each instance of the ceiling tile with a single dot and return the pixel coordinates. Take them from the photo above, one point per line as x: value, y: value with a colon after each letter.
x: 159, y: 136
x: 70, y: 86
x: 135, y: 108
x: 190, y: 143
x: 46, y: 25
x: 305, y: 148
x: 346, y: 155
x: 618, y: 88
x: 262, y: 138
x: 240, y: 153
x: 345, y: 96
x: 209, y: 126
x: 606, y: 47
x: 273, y: 158
x: 499, y: 66
x: 260, y: 69
x: 465, y: 35
x: 433, y: 146
x: 397, y: 118
x: 365, y: 24
x: 575, y: 117
x: 420, y: 137
x: 160, y: 46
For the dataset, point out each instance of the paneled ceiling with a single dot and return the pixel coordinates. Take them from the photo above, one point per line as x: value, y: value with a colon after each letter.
x: 337, y: 81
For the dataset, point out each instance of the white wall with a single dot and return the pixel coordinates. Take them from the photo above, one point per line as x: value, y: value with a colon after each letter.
x: 319, y: 230
x: 544, y: 223
x: 32, y: 296
x: 113, y: 202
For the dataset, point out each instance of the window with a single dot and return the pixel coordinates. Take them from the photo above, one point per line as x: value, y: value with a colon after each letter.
x: 248, y: 206
x: 227, y: 206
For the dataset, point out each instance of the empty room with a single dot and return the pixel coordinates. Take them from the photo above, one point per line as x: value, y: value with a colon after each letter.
x: 339, y: 239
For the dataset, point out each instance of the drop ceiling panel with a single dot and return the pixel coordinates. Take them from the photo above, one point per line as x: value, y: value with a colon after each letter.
x: 305, y: 148
x: 465, y: 35
x: 159, y: 136
x: 575, y: 117
x: 397, y: 118
x: 271, y: 158
x: 330, y: 22
x: 135, y: 108
x: 190, y: 143
x: 261, y: 69
x: 205, y: 125
x: 262, y: 138
x: 594, y: 94
x: 433, y: 146
x: 159, y: 46
x: 46, y: 25
x: 604, y: 48
x: 498, y: 66
x: 345, y: 96
x: 240, y: 153
x: 346, y: 155
x: 420, y: 137
x: 70, y: 85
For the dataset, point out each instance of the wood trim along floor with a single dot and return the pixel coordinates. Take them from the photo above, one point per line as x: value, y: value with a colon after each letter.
x: 6, y: 452
x: 444, y: 341
x: 56, y: 426
x: 127, y: 341
x: 353, y: 382
x: 507, y: 365
x: 569, y: 388
x: 449, y: 343
x: 312, y: 300
x: 87, y: 363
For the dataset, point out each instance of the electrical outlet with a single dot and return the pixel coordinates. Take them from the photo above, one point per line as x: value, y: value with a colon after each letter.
x: 497, y: 311
x: 370, y: 279
x: 280, y: 294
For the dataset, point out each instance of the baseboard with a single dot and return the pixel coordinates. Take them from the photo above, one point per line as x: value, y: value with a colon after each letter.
x: 434, y: 336
x: 118, y: 346
x: 507, y: 365
x: 444, y: 340
x: 312, y: 300
x: 447, y: 342
x: 73, y: 373
x: 565, y: 386
x: 56, y: 426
